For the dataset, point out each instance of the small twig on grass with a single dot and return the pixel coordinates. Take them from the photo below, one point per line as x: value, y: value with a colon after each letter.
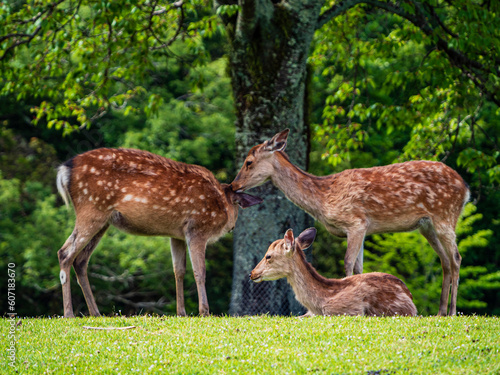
x: 110, y: 328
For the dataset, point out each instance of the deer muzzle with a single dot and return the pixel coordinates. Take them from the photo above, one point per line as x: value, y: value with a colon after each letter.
x: 256, y: 276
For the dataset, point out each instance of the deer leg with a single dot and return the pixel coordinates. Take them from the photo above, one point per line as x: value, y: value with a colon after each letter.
x: 197, y: 253
x: 81, y: 264
x: 178, y: 249
x: 448, y: 240
x: 430, y: 234
x: 354, y: 247
x: 65, y: 255
x: 358, y: 266
x: 83, y: 232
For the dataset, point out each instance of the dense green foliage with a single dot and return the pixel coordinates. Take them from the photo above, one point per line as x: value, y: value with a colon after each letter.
x: 80, y: 75
x: 261, y: 344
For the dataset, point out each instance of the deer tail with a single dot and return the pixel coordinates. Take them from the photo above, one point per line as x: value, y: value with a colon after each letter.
x: 63, y: 179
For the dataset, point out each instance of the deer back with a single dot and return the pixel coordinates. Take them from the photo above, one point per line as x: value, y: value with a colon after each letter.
x: 148, y: 194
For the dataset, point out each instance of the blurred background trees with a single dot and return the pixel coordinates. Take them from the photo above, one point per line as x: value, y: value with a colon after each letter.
x: 381, y: 88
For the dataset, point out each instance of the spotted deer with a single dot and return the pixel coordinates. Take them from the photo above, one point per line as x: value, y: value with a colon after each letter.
x: 143, y: 194
x: 373, y: 294
x: 424, y: 195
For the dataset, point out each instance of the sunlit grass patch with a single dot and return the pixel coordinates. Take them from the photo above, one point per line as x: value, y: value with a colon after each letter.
x: 258, y: 344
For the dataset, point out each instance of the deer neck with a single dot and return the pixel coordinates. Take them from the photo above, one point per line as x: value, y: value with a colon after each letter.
x: 303, y: 189
x: 310, y: 288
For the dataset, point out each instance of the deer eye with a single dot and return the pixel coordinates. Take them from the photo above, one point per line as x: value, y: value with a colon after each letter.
x: 268, y: 256
x: 248, y: 163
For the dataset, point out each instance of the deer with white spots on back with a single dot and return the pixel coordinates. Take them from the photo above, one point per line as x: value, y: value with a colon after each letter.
x: 144, y: 194
x: 424, y: 195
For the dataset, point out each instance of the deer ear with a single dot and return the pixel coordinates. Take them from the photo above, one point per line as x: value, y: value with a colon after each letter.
x: 306, y: 238
x: 246, y: 200
x: 289, y: 241
x: 278, y: 142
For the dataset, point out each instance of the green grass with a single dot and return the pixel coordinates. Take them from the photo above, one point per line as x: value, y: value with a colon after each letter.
x: 262, y: 345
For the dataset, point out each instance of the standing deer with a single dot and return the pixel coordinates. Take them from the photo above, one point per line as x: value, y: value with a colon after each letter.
x: 375, y: 293
x: 423, y: 195
x: 144, y: 194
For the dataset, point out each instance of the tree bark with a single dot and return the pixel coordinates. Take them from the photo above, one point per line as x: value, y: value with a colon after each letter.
x: 267, y: 61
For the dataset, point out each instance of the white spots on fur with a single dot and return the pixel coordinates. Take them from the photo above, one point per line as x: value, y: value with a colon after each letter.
x: 203, y: 209
x: 124, y: 190
x: 100, y: 182
x: 213, y: 214
x: 177, y: 200
x: 185, y: 199
x: 166, y: 198
x: 100, y: 157
x: 85, y: 191
x: 85, y: 167
x: 92, y: 170
x: 155, y: 206
x: 80, y: 185
x: 172, y: 193
x: 202, y: 197
x: 90, y: 198
x: 191, y: 200
x: 140, y: 200
x: 195, y: 212
x: 128, y: 197
x: 62, y: 277
x: 420, y: 205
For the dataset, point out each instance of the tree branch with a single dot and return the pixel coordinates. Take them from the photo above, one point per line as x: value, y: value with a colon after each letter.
x: 337, y: 10
x: 474, y: 70
x: 27, y: 37
x: 247, y: 19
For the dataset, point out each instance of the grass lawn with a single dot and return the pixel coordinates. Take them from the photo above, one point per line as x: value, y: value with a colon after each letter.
x: 258, y: 344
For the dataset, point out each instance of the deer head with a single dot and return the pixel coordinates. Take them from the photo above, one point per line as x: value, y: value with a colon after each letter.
x: 241, y: 199
x: 278, y: 261
x: 258, y: 165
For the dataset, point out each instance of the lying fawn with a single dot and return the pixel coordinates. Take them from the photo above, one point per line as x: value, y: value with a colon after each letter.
x: 144, y: 194
x: 375, y: 293
x: 423, y: 195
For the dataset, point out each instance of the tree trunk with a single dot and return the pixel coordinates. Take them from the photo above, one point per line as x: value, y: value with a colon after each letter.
x: 269, y: 48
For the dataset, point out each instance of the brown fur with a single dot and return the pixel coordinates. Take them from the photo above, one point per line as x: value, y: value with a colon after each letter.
x: 144, y: 194
x: 372, y: 294
x: 423, y: 195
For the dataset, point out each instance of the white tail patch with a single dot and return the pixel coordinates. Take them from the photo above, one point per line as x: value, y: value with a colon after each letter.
x: 63, y: 177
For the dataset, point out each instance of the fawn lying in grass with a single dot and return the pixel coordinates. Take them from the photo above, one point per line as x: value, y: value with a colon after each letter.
x: 373, y: 294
